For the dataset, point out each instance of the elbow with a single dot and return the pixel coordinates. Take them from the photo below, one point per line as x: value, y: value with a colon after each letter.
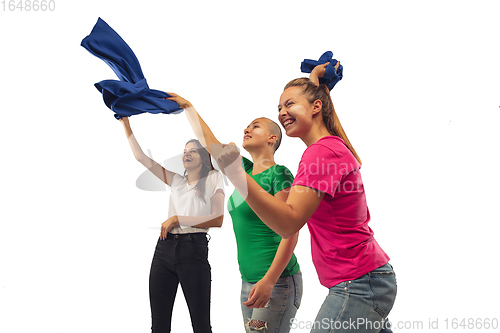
x: 289, y: 231
x: 218, y: 221
x: 144, y: 160
x: 140, y: 158
x: 293, y: 239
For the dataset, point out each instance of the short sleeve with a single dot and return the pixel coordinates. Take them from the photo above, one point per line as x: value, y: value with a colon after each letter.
x: 214, y: 182
x: 282, y: 179
x: 246, y: 164
x: 323, y: 169
x: 177, y: 180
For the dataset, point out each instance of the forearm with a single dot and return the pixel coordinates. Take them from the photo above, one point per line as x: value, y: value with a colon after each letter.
x: 282, y: 258
x: 313, y: 77
x: 201, y: 129
x: 160, y: 172
x: 134, y: 145
x: 276, y: 214
x: 207, y: 221
x: 137, y: 150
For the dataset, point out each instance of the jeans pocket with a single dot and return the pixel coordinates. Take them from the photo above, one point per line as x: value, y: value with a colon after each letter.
x: 197, y: 246
x: 199, y: 239
x: 383, y: 286
x: 297, y: 283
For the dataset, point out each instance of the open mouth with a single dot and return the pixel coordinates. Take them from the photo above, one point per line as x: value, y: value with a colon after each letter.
x: 287, y: 123
x: 246, y: 137
x: 187, y: 159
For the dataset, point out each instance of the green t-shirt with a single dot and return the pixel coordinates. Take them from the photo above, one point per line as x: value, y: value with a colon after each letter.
x: 256, y: 242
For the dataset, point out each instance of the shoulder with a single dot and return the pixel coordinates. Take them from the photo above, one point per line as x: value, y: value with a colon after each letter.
x: 178, y: 179
x: 329, y: 147
x: 246, y: 163
x: 214, y: 174
x: 282, y: 171
x: 215, y: 177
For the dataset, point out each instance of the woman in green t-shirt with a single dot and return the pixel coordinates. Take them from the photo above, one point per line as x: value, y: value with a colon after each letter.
x: 271, y: 278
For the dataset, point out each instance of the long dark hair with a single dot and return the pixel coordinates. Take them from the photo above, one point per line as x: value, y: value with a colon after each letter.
x: 206, y: 167
x: 312, y: 93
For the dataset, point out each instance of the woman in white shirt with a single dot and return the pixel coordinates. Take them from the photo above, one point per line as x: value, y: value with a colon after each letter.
x: 181, y: 254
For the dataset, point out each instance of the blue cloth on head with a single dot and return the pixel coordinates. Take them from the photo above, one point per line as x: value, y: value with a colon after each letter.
x: 331, y: 76
x: 130, y: 95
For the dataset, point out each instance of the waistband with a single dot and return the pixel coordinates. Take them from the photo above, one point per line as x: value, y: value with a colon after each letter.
x: 188, y: 235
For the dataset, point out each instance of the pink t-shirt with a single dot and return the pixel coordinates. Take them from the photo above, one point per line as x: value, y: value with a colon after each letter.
x: 342, y: 244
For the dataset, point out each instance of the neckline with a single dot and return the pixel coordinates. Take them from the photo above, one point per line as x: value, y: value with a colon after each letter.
x: 251, y: 171
x: 329, y: 137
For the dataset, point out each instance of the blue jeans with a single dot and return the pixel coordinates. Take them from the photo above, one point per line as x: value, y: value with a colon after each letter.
x: 180, y: 259
x: 360, y: 305
x: 276, y: 316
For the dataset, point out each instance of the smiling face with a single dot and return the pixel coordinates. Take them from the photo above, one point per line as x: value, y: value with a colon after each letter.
x: 296, y: 112
x: 257, y: 134
x: 191, y: 157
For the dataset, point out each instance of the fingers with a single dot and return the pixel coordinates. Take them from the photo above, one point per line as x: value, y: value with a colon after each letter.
x: 257, y: 298
x: 337, y: 65
x: 252, y: 297
x: 163, y: 232
x: 172, y: 95
x: 228, y: 150
x: 256, y: 302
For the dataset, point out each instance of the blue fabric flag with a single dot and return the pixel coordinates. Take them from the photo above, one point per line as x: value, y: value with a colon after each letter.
x: 331, y: 76
x: 130, y: 95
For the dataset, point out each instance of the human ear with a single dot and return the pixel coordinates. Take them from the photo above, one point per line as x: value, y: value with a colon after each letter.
x: 317, y: 106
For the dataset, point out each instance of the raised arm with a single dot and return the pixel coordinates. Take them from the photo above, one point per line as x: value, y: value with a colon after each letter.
x: 262, y: 290
x: 319, y: 71
x: 285, y: 218
x: 163, y: 174
x: 200, y: 128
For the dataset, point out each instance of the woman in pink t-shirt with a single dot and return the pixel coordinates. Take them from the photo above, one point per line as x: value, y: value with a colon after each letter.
x: 328, y: 194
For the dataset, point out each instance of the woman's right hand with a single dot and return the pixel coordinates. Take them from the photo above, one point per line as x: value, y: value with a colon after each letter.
x: 183, y: 103
x: 319, y: 71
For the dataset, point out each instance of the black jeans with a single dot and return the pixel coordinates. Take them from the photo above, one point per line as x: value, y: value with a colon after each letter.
x: 180, y: 259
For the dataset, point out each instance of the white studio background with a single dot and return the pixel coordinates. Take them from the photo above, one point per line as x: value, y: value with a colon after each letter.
x: 419, y: 101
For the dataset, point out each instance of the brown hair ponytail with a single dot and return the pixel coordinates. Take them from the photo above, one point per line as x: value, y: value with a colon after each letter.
x: 330, y: 118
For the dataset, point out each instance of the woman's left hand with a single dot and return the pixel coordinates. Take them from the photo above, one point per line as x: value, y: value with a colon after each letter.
x: 319, y: 71
x: 167, y: 226
x: 260, y: 294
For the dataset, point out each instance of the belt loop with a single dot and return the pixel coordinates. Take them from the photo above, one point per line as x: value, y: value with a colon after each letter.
x: 209, y: 237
